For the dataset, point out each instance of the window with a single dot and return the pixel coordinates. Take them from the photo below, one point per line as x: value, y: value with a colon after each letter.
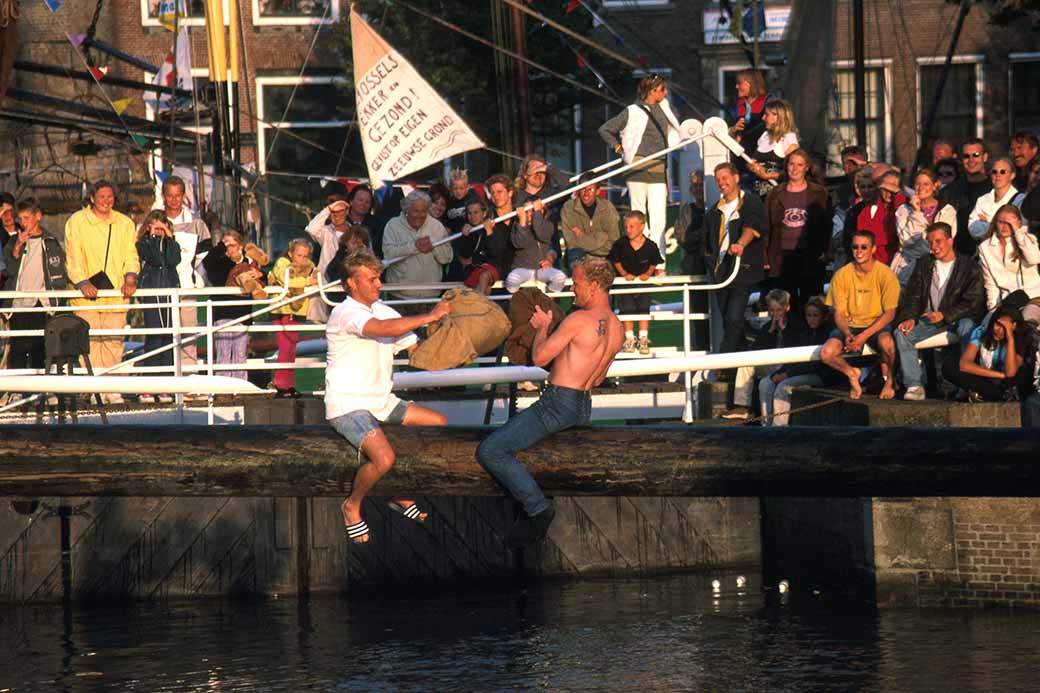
x: 1024, y: 95
x: 196, y: 13
x: 959, y: 114
x: 295, y: 167
x: 283, y: 12
x: 841, y: 115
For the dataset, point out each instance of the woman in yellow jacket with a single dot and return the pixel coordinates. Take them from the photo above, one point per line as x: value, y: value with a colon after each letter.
x: 101, y: 253
x: 294, y: 270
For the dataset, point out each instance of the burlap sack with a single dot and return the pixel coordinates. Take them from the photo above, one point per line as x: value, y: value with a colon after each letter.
x: 475, y: 326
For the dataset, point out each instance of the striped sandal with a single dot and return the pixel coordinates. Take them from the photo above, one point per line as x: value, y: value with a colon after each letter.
x: 412, y: 512
x: 357, y: 531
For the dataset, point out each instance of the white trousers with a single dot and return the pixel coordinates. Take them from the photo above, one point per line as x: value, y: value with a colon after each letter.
x: 652, y: 200
x: 553, y: 277
x: 776, y: 398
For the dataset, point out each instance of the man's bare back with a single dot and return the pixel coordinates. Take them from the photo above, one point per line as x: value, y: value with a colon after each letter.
x: 595, y: 339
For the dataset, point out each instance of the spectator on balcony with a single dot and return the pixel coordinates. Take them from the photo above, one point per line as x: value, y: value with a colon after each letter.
x: 799, y: 215
x: 852, y: 158
x: 232, y: 254
x: 879, y: 216
x: 589, y: 223
x: 9, y: 226
x: 489, y: 249
x: 534, y: 256
x: 411, y: 237
x: 865, y: 296
x: 642, y: 129
x: 781, y: 331
x: 35, y: 261
x: 746, y: 116
x: 100, y: 250
x: 1031, y: 201
x: 941, y: 149
x: 635, y: 257
x: 354, y: 240
x: 914, y: 218
x: 965, y: 191
x: 1001, y: 173
x: 193, y: 236
x: 865, y: 194
x: 327, y: 229
x: 1009, y: 256
x: 774, y: 390
x: 944, y: 294
x: 994, y: 365
x: 733, y: 231
x: 460, y: 196
x: 296, y: 272
x: 1024, y: 147
x: 160, y: 254
x: 773, y: 147
x: 947, y: 172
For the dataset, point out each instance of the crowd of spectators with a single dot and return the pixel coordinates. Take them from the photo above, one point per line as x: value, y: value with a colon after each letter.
x: 909, y: 255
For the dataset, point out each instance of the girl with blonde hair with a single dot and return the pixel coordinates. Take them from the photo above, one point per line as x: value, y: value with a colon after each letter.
x: 779, y: 139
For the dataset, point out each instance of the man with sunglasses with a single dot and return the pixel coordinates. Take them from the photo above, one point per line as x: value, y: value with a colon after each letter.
x: 865, y: 296
x: 966, y: 189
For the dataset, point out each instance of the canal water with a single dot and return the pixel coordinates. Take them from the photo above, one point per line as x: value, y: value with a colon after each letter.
x: 671, y: 633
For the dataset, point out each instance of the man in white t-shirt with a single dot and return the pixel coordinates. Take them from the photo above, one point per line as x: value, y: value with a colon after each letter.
x: 363, y: 335
x: 944, y: 294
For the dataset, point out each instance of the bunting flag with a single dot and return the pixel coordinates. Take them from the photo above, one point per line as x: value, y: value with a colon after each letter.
x: 573, y: 5
x: 53, y: 5
x: 581, y: 61
x: 167, y: 13
x: 161, y: 175
x: 98, y: 73
x: 76, y: 39
x: 164, y: 77
x: 404, y: 124
x: 120, y: 105
x: 140, y: 140
x: 735, y: 16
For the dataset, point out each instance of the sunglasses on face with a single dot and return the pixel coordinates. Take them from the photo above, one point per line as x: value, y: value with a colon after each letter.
x: 971, y: 155
x: 999, y: 172
x: 861, y: 247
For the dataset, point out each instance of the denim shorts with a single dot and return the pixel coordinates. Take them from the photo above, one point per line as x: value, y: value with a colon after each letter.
x: 358, y: 425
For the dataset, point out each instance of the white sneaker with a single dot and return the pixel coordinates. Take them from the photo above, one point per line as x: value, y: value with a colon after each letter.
x: 112, y: 398
x: 629, y: 346
x: 644, y: 346
x: 914, y: 393
x: 527, y: 386
x: 146, y: 399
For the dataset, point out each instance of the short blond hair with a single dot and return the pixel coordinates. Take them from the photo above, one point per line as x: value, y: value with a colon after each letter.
x: 597, y: 270
x: 355, y: 261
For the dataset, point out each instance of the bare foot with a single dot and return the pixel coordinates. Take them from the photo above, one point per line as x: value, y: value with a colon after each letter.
x: 855, y: 391
x: 351, y: 516
x: 887, y: 391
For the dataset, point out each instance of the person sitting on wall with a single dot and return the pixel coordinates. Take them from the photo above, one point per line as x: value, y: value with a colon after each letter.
x: 364, y: 330
x: 944, y: 293
x: 864, y: 295
x: 774, y: 390
x: 997, y: 363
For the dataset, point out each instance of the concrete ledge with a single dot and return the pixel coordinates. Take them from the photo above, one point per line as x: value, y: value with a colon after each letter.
x: 871, y: 411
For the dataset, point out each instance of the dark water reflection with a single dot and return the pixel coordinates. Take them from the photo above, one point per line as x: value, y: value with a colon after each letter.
x: 665, y: 634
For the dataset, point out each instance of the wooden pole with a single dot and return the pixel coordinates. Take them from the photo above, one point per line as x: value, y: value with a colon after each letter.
x: 40, y: 461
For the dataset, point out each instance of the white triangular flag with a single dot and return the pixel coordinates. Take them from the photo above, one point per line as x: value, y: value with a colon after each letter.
x: 404, y: 124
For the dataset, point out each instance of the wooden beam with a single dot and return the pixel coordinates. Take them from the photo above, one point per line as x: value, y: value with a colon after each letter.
x: 594, y: 461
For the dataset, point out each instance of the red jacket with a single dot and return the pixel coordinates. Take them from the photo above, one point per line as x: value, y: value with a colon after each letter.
x: 881, y: 221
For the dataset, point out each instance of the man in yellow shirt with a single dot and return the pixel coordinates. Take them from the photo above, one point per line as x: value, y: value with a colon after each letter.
x: 864, y: 295
x: 100, y: 243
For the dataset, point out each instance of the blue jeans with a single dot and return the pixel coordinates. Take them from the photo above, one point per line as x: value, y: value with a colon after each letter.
x: 733, y: 302
x: 557, y: 409
x: 909, y: 365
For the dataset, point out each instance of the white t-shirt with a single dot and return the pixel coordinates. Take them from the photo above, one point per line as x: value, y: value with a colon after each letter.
x: 359, y: 374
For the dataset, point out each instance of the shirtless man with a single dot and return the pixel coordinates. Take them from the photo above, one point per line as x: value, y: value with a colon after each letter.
x: 581, y: 350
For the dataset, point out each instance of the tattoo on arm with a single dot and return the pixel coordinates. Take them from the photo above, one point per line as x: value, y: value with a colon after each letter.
x: 601, y: 328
